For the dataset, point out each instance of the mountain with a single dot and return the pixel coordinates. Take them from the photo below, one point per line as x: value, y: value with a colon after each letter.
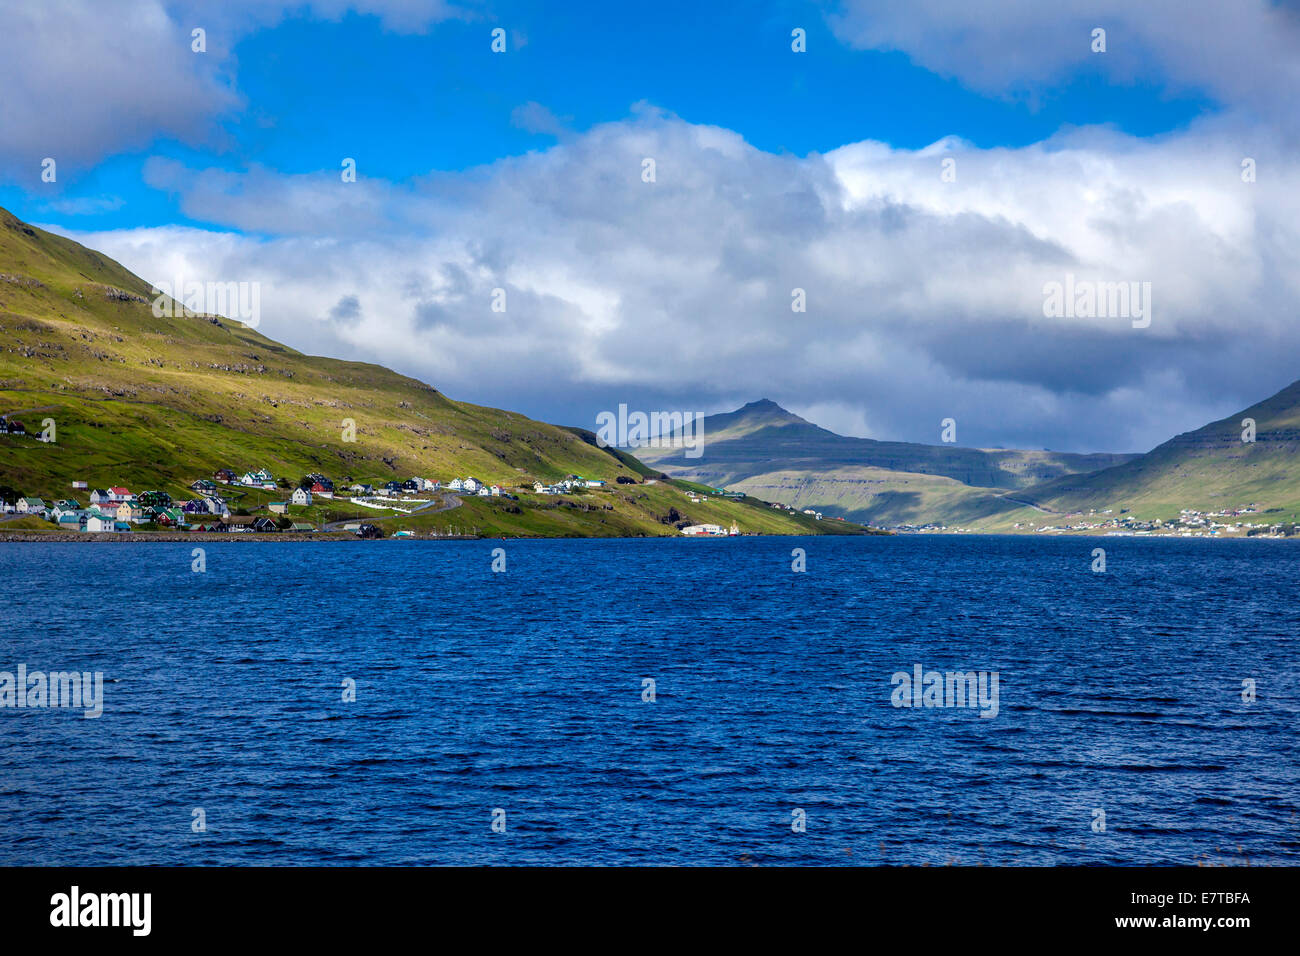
x: 764, y: 450
x: 1209, y: 469
x: 151, y: 402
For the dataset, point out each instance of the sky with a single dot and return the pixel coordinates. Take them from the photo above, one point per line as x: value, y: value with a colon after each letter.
x: 922, y: 172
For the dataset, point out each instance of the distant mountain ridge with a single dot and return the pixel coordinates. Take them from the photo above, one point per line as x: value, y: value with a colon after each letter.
x: 767, y: 451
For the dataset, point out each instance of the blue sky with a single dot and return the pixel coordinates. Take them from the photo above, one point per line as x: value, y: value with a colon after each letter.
x: 314, y: 91
x: 777, y: 170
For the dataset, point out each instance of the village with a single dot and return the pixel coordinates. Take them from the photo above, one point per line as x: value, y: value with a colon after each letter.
x: 1190, y: 523
x: 119, y: 510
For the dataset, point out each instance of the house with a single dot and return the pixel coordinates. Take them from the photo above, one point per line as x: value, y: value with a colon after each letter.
x: 59, y: 509
x: 14, y: 427
x: 455, y: 485
x: 217, y: 525
x: 130, y: 511
x: 100, y: 496
x: 239, y: 523
x: 196, y: 506
x: 392, y: 487
x: 302, y: 526
x: 322, y: 489
x: 258, y: 479
x: 72, y: 521
x: 265, y: 525
x: 278, y: 507
x: 216, y: 505
x: 121, y: 526
x: 363, y: 489
x: 79, y: 485
x: 223, y: 475
x: 538, y: 487
x: 430, y: 485
x: 119, y: 494
x: 169, y: 517
x: 483, y: 491
x: 495, y: 491
x: 472, y: 485
x: 203, y: 486
x: 595, y: 483
x: 100, y: 523
x: 301, y: 497
x: 413, y: 484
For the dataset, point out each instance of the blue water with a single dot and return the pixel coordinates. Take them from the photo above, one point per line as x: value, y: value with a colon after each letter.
x: 523, y: 691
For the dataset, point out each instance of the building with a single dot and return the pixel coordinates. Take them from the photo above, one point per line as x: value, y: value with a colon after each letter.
x: 301, y: 497
x: 99, y: 523
x: 130, y: 511
x: 704, y: 529
x: 223, y: 475
x: 278, y: 507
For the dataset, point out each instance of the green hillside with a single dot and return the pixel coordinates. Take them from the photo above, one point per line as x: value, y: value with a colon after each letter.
x: 1209, y: 470
x: 152, y: 402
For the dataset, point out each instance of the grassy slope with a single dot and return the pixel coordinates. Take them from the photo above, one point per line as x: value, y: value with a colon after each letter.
x: 1208, y: 469
x: 157, y: 402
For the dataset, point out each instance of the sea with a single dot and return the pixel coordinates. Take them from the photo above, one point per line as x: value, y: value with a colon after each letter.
x: 717, y: 702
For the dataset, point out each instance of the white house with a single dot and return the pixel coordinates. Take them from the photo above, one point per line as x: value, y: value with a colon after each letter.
x: 472, y: 485
x: 483, y: 491
x: 301, y: 496
x: 31, y: 506
x: 495, y: 490
x: 595, y: 483
x: 97, y: 523
x: 258, y: 478
x: 100, y: 496
x: 538, y: 487
x: 456, y: 485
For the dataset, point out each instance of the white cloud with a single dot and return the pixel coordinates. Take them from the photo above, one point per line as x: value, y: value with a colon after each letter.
x: 1245, y: 54
x: 924, y: 297
x: 85, y: 79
